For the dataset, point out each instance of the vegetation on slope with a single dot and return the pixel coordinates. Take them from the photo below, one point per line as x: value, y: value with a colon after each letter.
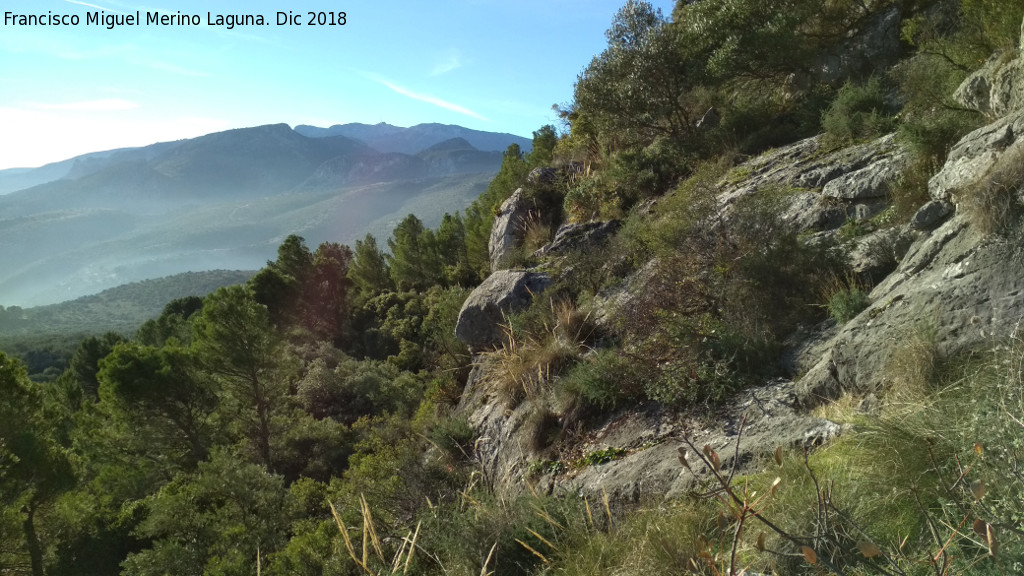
x: 304, y: 422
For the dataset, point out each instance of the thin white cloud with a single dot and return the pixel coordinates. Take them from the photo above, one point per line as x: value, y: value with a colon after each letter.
x: 101, y: 105
x: 87, y: 5
x: 433, y: 100
x: 451, y: 61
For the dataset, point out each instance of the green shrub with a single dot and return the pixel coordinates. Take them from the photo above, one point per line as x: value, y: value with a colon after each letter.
x: 606, y: 379
x: 858, y: 112
x: 590, y: 198
x: 847, y: 303
x: 484, y: 534
x: 454, y: 436
x: 910, y: 190
x: 602, y: 456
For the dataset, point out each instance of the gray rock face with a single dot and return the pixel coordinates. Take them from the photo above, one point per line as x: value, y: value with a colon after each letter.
x: 825, y: 190
x: 587, y: 235
x: 479, y: 323
x: 648, y: 437
x: 508, y: 229
x: 875, y: 255
x: 928, y: 216
x: 809, y: 211
x: 975, y: 155
x: 542, y: 176
x: 965, y: 291
x: 871, y: 181
x: 996, y: 89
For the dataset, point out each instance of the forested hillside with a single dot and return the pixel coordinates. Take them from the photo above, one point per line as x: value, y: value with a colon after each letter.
x: 752, y: 309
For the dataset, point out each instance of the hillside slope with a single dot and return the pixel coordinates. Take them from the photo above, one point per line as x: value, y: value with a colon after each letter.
x: 221, y: 201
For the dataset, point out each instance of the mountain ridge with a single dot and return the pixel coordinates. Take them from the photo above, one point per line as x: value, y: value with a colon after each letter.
x: 223, y: 201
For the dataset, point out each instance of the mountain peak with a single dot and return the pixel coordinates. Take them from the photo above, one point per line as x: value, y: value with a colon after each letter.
x: 457, y: 143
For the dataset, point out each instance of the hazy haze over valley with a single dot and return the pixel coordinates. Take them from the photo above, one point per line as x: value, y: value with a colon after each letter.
x: 226, y: 200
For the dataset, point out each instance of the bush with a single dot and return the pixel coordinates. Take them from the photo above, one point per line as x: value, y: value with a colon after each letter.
x: 910, y: 190
x: 606, y: 379
x: 847, y: 303
x: 591, y: 197
x: 858, y: 112
x: 454, y: 436
x: 483, y: 534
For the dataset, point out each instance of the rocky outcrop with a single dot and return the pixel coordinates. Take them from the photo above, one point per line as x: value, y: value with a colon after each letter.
x: 953, y: 289
x: 484, y: 311
x: 821, y: 191
x: 871, y: 181
x: 974, y: 156
x: 542, y: 176
x: 996, y: 89
x: 508, y: 229
x: 957, y: 288
x: 580, y: 236
x: 930, y: 215
x: 940, y: 280
x: 642, y: 443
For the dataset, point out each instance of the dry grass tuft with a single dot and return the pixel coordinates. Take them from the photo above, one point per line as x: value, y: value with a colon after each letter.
x: 536, y: 233
x: 527, y: 364
x: 993, y: 205
x: 913, y: 367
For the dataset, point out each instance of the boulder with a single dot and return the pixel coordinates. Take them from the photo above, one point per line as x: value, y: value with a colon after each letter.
x: 930, y: 215
x: 505, y: 291
x: 542, y: 176
x: 574, y: 237
x: 974, y: 156
x: 996, y: 89
x: 508, y: 229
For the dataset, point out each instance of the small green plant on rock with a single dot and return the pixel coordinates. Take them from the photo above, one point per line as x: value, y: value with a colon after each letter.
x: 847, y: 303
x: 598, y: 457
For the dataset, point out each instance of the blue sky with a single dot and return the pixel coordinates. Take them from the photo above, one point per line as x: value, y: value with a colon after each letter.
x: 494, y: 65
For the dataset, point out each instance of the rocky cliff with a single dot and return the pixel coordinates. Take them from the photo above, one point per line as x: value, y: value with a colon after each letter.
x: 953, y: 273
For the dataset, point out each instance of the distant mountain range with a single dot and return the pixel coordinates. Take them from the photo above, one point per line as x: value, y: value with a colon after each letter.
x: 388, y: 138
x: 226, y: 200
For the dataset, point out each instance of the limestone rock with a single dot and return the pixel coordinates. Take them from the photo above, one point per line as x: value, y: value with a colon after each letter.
x: 975, y: 155
x: 930, y: 215
x: 852, y: 176
x: 647, y: 438
x: 965, y: 291
x: 508, y: 229
x: 960, y: 289
x: 996, y: 89
x: 871, y: 181
x: 585, y: 236
x: 810, y: 211
x: 479, y: 323
x: 875, y: 255
x: 542, y: 176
